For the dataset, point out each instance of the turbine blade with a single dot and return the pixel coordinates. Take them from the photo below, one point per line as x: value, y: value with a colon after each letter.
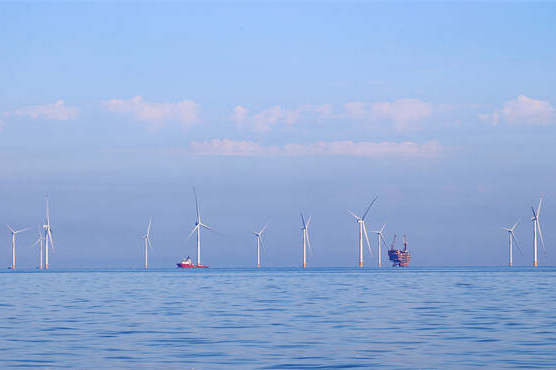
x: 513, y: 227
x: 192, y: 231
x: 539, y: 207
x: 309, y: 242
x: 353, y: 214
x: 302, y: 220
x: 211, y: 229
x: 516, y: 243
x: 385, y: 245
x: 542, y: 239
x: 51, y: 241
x: 367, y: 238
x: 309, y: 221
x: 261, y: 242
x: 197, y: 205
x: 9, y: 227
x: 37, y: 242
x: 382, y: 229
x: 149, y: 228
x: 47, y: 211
x: 263, y: 229
x: 22, y: 230
x: 368, y: 208
x: 149, y: 241
x: 534, y: 213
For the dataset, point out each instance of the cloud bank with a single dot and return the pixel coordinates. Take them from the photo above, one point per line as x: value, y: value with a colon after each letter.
x: 264, y: 120
x: 523, y: 110
x: 403, y: 113
x: 58, y: 111
x: 228, y: 147
x: 186, y: 112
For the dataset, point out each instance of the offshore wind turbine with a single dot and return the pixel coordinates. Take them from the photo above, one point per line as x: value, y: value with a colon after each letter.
x: 14, y: 232
x: 512, y: 238
x: 363, y: 230
x: 537, y: 232
x: 147, y: 241
x: 47, y: 234
x: 306, y: 242
x: 39, y: 242
x: 259, y: 236
x: 197, y: 228
x: 380, y: 237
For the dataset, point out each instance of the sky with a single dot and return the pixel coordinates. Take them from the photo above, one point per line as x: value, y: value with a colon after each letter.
x: 444, y: 111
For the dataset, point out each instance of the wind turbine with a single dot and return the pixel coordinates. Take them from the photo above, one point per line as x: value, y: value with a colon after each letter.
x: 14, y: 232
x: 512, y: 238
x: 537, y: 229
x: 363, y: 229
x: 259, y: 236
x: 198, y: 226
x: 39, y: 240
x: 380, y: 237
x: 47, y: 234
x: 147, y: 240
x: 306, y: 242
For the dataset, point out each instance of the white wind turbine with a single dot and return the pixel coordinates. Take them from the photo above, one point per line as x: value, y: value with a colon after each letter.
x: 363, y: 230
x: 537, y: 230
x: 148, y: 241
x: 39, y: 242
x: 14, y: 232
x: 198, y: 226
x: 380, y: 237
x: 512, y: 238
x: 259, y: 236
x: 47, y: 234
x: 306, y: 242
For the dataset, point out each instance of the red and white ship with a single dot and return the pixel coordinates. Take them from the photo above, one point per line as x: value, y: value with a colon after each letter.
x: 186, y: 263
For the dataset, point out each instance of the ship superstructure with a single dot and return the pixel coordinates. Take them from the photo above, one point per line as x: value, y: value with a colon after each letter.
x: 398, y: 257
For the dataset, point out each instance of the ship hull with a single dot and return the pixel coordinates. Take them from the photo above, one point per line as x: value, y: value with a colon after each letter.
x: 187, y: 266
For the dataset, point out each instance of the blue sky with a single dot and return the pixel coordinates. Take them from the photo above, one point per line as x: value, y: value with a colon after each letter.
x: 446, y: 111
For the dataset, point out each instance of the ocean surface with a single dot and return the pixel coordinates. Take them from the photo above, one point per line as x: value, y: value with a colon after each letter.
x: 436, y: 318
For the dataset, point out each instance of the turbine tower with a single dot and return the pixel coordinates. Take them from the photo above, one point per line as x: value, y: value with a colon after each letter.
x: 512, y: 238
x: 259, y: 236
x: 306, y: 242
x: 537, y: 232
x: 14, y: 232
x: 47, y: 234
x: 39, y: 242
x: 147, y: 241
x: 363, y: 230
x: 197, y: 228
x: 380, y: 237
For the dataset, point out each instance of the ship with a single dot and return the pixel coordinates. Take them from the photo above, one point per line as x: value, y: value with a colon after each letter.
x: 186, y: 263
x: 398, y: 257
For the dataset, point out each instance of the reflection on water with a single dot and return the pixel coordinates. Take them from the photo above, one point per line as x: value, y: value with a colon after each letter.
x: 279, y: 318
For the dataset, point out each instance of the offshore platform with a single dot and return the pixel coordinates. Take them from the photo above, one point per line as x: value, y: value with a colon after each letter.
x: 398, y: 257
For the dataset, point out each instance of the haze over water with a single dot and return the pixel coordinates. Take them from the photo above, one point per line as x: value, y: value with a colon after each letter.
x: 279, y: 318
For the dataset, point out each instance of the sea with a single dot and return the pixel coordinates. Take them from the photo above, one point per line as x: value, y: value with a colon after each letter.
x: 279, y: 318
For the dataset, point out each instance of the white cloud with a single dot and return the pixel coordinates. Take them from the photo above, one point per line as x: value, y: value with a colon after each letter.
x: 228, y: 147
x: 262, y: 121
x: 403, y: 113
x: 186, y: 111
x: 240, y: 114
x: 523, y: 110
x: 58, y: 111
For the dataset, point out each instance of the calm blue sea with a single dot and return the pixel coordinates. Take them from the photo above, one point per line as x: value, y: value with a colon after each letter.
x: 441, y: 318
